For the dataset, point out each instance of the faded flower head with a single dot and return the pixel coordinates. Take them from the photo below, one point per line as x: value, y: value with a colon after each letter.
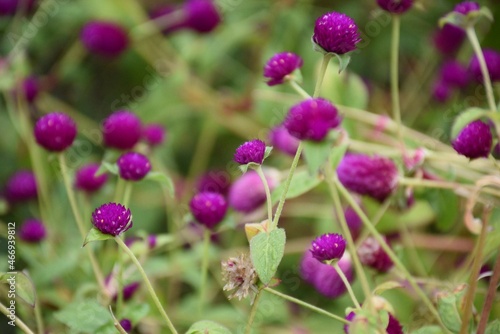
x: 55, y: 131
x: 281, y: 65
x: 104, y: 38
x: 282, y: 140
x: 466, y: 6
x: 21, y: 187
x: 239, y: 275
x: 121, y: 130
x: 327, y: 247
x: 395, y: 6
x: 336, y: 32
x: 474, y: 141
x: 86, y: 180
x: 112, y: 218
x: 371, y: 254
x: 32, y: 231
x: 153, y: 134
x: 208, y: 208
x: 133, y: 166
x: 492, y: 59
x: 250, y: 151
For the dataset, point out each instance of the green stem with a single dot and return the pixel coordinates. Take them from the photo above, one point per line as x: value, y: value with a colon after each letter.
x: 287, y: 185
x: 396, y: 107
x: 471, y: 34
x: 119, y: 189
x: 347, y: 284
x: 268, y: 193
x: 119, y: 285
x: 39, y: 319
x: 204, y: 268
x: 490, y: 297
x: 18, y: 321
x: 151, y: 291
x: 306, y: 305
x: 253, y: 312
x: 127, y: 193
x: 322, y: 72
x: 412, y: 252
x: 154, y: 26
x: 299, y: 89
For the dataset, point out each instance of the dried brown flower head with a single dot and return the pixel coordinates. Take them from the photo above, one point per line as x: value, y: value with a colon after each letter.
x: 239, y: 275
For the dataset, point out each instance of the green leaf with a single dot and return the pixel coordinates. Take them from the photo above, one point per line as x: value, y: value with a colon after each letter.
x: 253, y: 165
x: 301, y: 183
x: 337, y: 154
x: 135, y: 311
x: 444, y: 203
x: 493, y: 327
x: 429, y: 330
x: 107, y: 167
x: 344, y: 60
x: 266, y: 251
x: 96, y: 235
x: 207, y: 327
x: 84, y: 316
x: 23, y: 285
x: 162, y: 179
x: 448, y: 306
x: 315, y: 154
x: 389, y: 285
x: 467, y: 116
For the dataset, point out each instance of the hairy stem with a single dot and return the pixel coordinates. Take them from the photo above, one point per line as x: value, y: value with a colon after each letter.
x: 253, y: 312
x: 204, y: 268
x: 322, y: 72
x: 268, y: 193
x: 299, y: 89
x: 347, y: 284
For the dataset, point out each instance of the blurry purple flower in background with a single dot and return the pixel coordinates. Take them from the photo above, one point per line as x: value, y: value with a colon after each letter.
x: 247, y: 193
x: 104, y: 38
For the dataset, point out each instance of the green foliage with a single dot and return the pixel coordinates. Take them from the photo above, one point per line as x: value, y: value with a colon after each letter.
x: 301, y: 183
x: 84, y: 316
x: 266, y: 251
x: 207, y: 327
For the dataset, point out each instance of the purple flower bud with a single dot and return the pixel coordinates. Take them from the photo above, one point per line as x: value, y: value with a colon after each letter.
x: 122, y: 130
x: 492, y: 59
x: 153, y: 134
x: 247, y: 193
x: 130, y: 289
x: 250, y: 151
x: 311, y: 119
x: 393, y: 327
x: 214, y: 181
x: 126, y: 325
x: 201, y: 15
x: 133, y: 166
x: 454, y: 74
x: 104, y: 38
x: 474, y: 141
x: 281, y: 65
x: 466, y: 6
x: 55, y: 131
x: 151, y: 241
x: 449, y: 39
x: 112, y: 218
x: 354, y: 222
x: 336, y: 32
x: 30, y: 88
x: 374, y: 176
x: 441, y: 91
x: 327, y: 247
x: 10, y: 7
x: 32, y: 231
x: 371, y: 254
x: 86, y: 180
x: 282, y: 140
x: 395, y: 6
x: 208, y: 208
x: 21, y: 187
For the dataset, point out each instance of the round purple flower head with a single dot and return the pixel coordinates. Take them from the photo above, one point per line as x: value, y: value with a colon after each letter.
x: 374, y: 176
x: 371, y: 254
x: 21, y: 187
x: 247, y: 193
x: 250, y: 151
x: 153, y: 134
x: 492, y: 59
x: 449, y: 39
x: 312, y: 119
x: 474, y: 141
x: 395, y: 6
x: 55, y: 131
x: 201, y: 15
x: 466, y: 7
x: 393, y: 327
x: 133, y: 166
x: 336, y: 32
x: 353, y: 221
x: 128, y: 291
x: 327, y: 247
x: 208, y: 208
x: 104, y: 38
x: 112, y: 218
x: 282, y: 140
x: 32, y: 231
x: 30, y: 88
x: 122, y: 130
x: 454, y: 74
x: 441, y: 91
x: 214, y: 181
x: 86, y: 180
x: 281, y: 65
x: 126, y: 325
x: 10, y: 7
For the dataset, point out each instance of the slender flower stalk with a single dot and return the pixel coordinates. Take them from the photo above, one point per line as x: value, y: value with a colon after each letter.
x: 127, y: 193
x: 39, y: 319
x: 396, y: 107
x: 253, y: 312
x: 299, y: 89
x: 19, y: 322
x: 151, y: 291
x: 268, y: 193
x: 344, y: 279
x: 490, y: 297
x: 204, y: 268
x: 322, y: 72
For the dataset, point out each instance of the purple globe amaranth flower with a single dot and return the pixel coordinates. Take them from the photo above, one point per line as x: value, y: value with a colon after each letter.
x: 128, y: 291
x: 250, y: 152
x: 121, y: 130
x: 336, y: 32
x: 112, y: 218
x: 374, y: 176
x: 281, y: 65
x: 21, y: 187
x: 327, y: 247
x: 133, y: 166
x: 454, y: 74
x: 104, y: 38
x: 10, y: 7
x: 441, y: 91
x: 466, y: 6
x: 152, y: 241
x: 153, y: 134
x: 201, y: 15
x: 393, y: 326
x: 282, y: 140
x: 474, y: 141
x: 354, y: 222
x: 86, y: 180
x: 395, y: 6
x: 217, y: 181
x: 32, y: 231
x: 208, y: 208
x: 55, y: 131
x: 311, y: 119
x: 30, y: 88
x: 492, y: 59
x: 247, y: 193
x: 449, y: 39
x: 126, y: 325
x: 371, y: 254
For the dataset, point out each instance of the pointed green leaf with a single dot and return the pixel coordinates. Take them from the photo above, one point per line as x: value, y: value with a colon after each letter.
x: 344, y: 60
x: 301, y: 183
x: 315, y: 154
x: 23, y: 285
x: 207, y: 327
x: 162, y: 179
x: 389, y: 285
x: 107, y: 167
x: 448, y: 306
x: 266, y: 251
x: 467, y: 116
x: 336, y: 155
x: 84, y: 316
x: 96, y: 235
